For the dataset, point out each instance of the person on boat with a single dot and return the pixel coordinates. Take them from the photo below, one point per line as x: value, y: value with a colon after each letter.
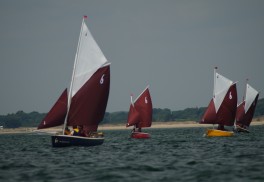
x: 75, y: 131
x: 67, y: 131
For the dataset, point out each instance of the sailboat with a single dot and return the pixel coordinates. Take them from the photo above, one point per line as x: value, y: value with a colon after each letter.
x: 140, y: 114
x: 222, y: 107
x: 246, y: 109
x: 85, y: 102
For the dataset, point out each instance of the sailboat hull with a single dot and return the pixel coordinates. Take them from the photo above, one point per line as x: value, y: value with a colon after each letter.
x: 140, y: 135
x: 218, y: 133
x: 66, y: 140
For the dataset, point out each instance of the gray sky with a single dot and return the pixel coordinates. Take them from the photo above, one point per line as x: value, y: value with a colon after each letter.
x: 172, y: 45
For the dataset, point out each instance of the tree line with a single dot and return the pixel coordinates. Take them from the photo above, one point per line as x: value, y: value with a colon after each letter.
x: 22, y: 119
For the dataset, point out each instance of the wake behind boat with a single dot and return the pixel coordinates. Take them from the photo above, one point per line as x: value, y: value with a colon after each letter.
x: 85, y: 103
x: 222, y: 107
x: 140, y: 115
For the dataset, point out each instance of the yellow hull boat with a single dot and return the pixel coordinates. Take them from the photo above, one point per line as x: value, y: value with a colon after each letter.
x: 218, y: 133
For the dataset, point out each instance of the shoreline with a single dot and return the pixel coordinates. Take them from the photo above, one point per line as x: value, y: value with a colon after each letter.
x: 161, y: 125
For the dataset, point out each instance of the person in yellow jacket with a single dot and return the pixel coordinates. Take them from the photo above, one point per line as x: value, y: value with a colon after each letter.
x: 76, y: 130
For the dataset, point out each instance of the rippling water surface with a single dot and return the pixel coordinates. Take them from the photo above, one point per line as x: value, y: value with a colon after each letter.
x: 180, y: 154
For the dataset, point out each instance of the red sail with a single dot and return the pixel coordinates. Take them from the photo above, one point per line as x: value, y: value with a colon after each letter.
x: 133, y: 116
x: 88, y: 105
x: 56, y: 115
x: 242, y: 118
x: 144, y: 106
x: 227, y: 111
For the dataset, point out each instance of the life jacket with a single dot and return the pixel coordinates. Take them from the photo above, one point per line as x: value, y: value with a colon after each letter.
x: 76, y: 132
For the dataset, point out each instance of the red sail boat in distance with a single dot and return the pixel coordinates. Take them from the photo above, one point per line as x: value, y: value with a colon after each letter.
x: 222, y: 107
x: 85, y: 103
x: 140, y: 114
x: 246, y: 109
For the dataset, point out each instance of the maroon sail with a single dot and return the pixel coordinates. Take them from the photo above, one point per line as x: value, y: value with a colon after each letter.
x: 133, y: 116
x: 56, y: 115
x: 222, y: 107
x: 141, y: 114
x: 88, y: 105
x: 144, y: 106
x: 246, y: 109
x: 226, y: 112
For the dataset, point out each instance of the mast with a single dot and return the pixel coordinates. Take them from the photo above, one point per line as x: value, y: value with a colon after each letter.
x: 72, y: 79
x: 215, y: 68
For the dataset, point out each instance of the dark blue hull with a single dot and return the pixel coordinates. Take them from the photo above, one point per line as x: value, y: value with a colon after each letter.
x: 66, y: 140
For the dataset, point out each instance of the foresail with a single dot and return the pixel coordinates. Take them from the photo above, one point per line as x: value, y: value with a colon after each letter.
x: 56, y: 115
x: 143, y: 105
x: 89, y: 58
x: 88, y: 105
x: 133, y: 116
x: 209, y: 116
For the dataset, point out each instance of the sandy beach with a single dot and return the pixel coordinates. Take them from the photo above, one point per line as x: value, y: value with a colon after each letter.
x: 171, y: 124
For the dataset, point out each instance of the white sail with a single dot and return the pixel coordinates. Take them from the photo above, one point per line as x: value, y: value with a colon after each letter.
x: 89, y: 58
x: 222, y: 84
x: 251, y: 94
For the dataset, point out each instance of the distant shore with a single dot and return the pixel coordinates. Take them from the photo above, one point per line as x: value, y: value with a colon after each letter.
x: 171, y: 124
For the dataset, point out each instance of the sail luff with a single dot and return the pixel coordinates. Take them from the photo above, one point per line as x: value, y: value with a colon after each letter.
x: 141, y: 94
x: 72, y: 78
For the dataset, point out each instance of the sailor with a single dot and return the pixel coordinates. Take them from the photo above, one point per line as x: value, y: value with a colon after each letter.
x: 75, y: 131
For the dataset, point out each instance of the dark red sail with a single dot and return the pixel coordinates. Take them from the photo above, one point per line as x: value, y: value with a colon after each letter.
x: 144, y: 106
x: 56, y: 115
x: 88, y: 105
x: 140, y: 113
x: 226, y: 112
x: 244, y: 117
x: 133, y: 116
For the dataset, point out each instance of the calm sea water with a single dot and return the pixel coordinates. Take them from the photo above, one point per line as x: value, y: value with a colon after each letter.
x: 181, y: 154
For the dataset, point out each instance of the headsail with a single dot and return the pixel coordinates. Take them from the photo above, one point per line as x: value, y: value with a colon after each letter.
x: 133, y: 116
x: 140, y: 113
x: 222, y: 107
x: 246, y: 109
x: 56, y: 115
